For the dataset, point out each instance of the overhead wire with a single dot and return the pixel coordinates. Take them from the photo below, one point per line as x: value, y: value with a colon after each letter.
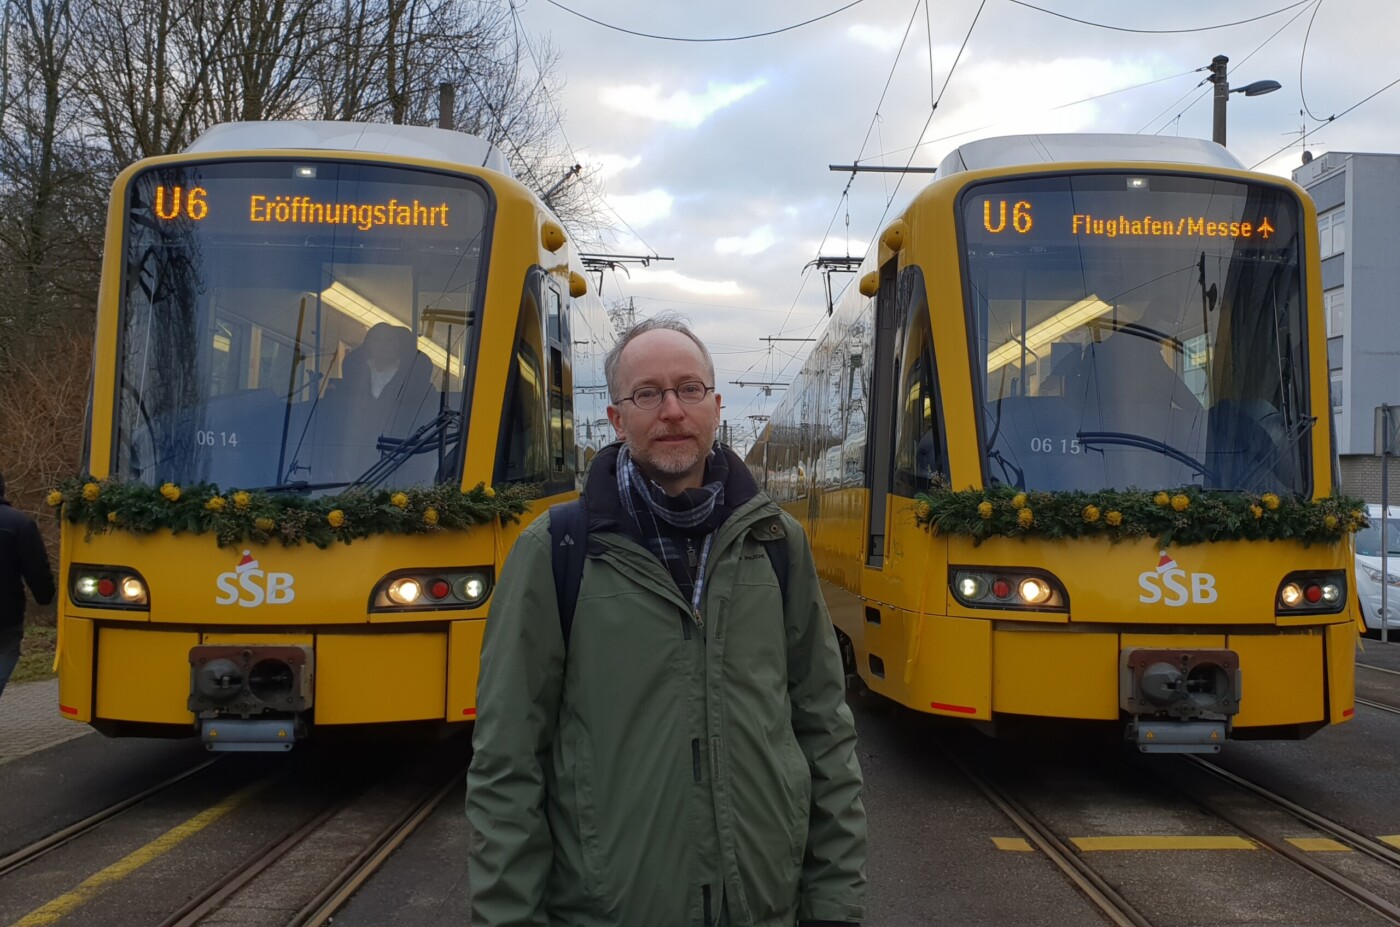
x: 1207, y: 92
x: 1331, y: 119
x: 1098, y: 25
x: 683, y: 38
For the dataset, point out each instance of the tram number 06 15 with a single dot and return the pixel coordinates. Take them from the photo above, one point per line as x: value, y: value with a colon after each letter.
x: 1054, y: 445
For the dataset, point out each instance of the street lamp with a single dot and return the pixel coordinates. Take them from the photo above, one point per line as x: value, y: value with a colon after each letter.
x: 1223, y: 91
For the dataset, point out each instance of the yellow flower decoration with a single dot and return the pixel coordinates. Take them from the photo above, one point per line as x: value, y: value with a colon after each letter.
x: 1162, y: 499
x: 91, y: 491
x: 112, y: 518
x: 984, y: 509
x: 216, y: 503
x: 1256, y: 511
x: 241, y: 500
x: 1329, y: 522
x: 490, y: 493
x: 1025, y: 517
x: 1114, y: 518
x: 336, y: 518
x: 399, y: 500
x: 264, y: 524
x: 1270, y: 501
x: 1018, y: 501
x: 430, y: 516
x: 1091, y: 513
x: 170, y: 491
x: 1180, y: 502
x: 922, y: 511
x: 54, y: 498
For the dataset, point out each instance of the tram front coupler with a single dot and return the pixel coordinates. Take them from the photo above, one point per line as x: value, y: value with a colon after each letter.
x: 251, y: 697
x: 1180, y: 701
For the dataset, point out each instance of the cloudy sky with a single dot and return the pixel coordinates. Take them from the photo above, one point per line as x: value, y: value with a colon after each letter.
x: 716, y: 153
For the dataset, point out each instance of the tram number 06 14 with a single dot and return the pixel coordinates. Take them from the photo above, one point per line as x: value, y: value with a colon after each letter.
x: 216, y: 438
x: 1054, y: 445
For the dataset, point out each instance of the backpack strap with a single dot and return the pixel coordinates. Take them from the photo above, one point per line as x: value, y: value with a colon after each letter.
x: 568, y: 537
x: 568, y: 541
x: 771, y: 535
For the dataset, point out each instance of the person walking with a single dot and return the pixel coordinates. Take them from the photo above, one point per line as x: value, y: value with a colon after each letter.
x: 683, y: 755
x: 23, y: 561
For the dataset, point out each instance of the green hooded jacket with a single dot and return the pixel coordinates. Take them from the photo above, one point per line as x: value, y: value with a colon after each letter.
x: 665, y: 768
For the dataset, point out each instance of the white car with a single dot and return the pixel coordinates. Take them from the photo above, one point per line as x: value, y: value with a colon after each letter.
x: 1368, y: 571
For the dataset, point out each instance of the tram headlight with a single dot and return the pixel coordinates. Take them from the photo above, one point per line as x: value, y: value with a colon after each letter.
x: 971, y: 586
x: 1034, y: 590
x: 1008, y: 588
x: 115, y: 587
x: 432, y: 589
x: 1311, y: 592
x: 405, y: 591
x: 133, y: 590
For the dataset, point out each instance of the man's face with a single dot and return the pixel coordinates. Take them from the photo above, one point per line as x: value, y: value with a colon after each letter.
x: 671, y: 442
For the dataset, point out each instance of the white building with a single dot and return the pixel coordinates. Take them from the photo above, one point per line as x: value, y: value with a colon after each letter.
x: 1358, y: 207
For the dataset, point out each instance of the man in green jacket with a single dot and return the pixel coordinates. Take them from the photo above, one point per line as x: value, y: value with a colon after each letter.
x: 686, y: 756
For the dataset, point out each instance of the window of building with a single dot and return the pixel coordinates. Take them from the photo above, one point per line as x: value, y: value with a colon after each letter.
x: 1332, y: 231
x: 1336, y: 390
x: 1334, y: 304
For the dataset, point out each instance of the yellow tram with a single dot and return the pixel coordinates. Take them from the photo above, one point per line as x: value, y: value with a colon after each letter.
x: 1066, y: 451
x: 333, y: 365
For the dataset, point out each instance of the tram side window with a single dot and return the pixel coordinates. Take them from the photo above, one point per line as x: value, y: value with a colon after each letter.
x: 920, y: 456
x: 525, y: 436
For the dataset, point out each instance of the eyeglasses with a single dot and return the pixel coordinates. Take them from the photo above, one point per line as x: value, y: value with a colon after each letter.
x: 651, y: 397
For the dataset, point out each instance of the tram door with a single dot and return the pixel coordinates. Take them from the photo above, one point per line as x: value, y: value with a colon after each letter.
x: 879, y: 446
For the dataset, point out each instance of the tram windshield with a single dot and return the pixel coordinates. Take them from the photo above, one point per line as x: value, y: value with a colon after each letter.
x: 302, y: 325
x: 1139, y: 331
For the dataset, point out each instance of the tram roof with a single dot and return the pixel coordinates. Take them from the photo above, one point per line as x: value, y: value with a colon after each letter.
x: 404, y: 141
x: 1021, y: 150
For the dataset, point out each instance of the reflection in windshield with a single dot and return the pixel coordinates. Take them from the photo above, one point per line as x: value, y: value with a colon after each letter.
x: 309, y: 353
x: 1160, y: 347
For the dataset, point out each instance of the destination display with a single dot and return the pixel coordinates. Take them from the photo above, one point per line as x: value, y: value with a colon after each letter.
x: 1103, y: 207
x: 305, y: 198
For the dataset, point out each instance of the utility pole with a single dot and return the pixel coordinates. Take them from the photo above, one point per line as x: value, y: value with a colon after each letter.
x: 1223, y: 91
x: 1222, y: 96
x: 447, y: 104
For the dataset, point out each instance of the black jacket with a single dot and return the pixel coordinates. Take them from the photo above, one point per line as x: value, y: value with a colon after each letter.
x: 23, y: 560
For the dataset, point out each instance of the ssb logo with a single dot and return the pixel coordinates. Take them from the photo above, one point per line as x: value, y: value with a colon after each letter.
x: 249, y: 586
x: 1165, y: 584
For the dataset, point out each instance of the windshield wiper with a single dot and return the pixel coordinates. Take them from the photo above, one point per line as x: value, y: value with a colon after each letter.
x: 1090, y: 438
x: 299, y: 486
x: 445, y: 428
x: 1298, y: 429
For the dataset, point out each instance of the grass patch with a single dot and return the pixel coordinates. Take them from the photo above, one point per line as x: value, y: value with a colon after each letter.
x: 36, y: 654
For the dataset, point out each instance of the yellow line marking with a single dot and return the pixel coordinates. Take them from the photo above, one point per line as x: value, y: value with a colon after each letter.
x: 65, y: 903
x: 1013, y: 844
x: 1393, y: 840
x: 1091, y: 844
x: 1319, y: 844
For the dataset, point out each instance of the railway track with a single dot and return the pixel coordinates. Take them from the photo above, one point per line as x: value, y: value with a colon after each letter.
x: 342, y: 883
x: 38, y: 848
x: 264, y: 844
x: 1369, y: 876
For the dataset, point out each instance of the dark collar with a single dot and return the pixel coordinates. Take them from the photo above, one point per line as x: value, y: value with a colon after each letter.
x: 604, y: 508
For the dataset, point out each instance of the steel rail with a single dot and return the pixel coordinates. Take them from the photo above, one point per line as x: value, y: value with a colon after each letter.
x: 1342, y: 883
x: 321, y: 909
x: 55, y: 840
x: 1103, y: 896
x: 1378, y: 706
x: 1379, y: 669
x: 216, y: 893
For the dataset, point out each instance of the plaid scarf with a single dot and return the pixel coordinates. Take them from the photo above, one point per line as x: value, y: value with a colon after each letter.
x: 670, y: 525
